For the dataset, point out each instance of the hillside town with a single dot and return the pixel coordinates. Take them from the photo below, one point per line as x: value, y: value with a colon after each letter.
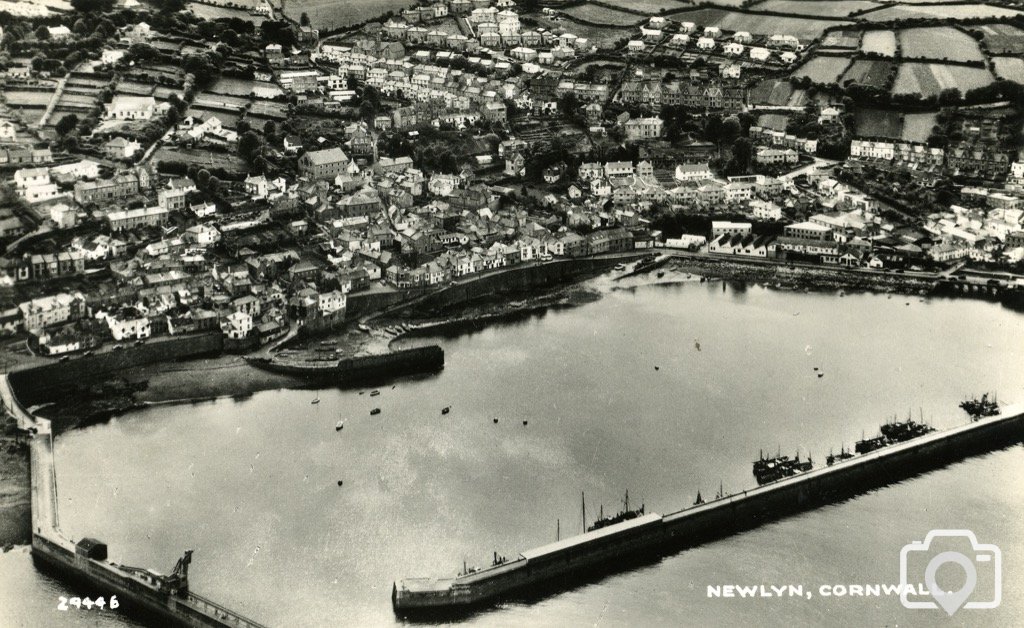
x: 164, y: 173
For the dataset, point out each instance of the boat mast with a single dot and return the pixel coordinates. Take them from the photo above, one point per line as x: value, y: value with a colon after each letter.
x: 583, y: 499
x: 558, y: 529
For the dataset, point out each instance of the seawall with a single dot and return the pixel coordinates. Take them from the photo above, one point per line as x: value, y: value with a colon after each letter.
x: 42, y: 384
x: 561, y: 565
x: 518, y: 279
x: 160, y: 600
x: 358, y: 368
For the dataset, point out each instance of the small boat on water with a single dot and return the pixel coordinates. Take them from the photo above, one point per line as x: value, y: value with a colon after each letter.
x: 526, y: 422
x: 374, y: 393
x: 661, y: 274
x: 446, y: 409
x: 495, y: 420
x: 620, y: 267
x: 315, y: 401
x: 374, y: 411
x: 340, y: 482
x: 820, y: 375
x: 339, y: 426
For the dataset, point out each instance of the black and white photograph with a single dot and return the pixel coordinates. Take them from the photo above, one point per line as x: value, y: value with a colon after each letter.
x: 511, y: 313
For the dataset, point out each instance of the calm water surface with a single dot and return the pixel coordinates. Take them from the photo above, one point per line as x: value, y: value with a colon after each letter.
x: 251, y: 486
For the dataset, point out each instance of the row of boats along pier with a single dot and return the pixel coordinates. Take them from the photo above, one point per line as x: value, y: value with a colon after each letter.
x: 785, y: 486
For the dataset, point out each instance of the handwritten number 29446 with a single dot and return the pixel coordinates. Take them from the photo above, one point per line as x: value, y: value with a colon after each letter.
x: 65, y: 604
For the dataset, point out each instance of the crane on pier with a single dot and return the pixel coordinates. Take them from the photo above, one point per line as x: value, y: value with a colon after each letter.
x: 175, y: 584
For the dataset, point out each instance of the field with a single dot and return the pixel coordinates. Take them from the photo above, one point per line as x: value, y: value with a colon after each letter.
x: 602, y: 15
x: 774, y: 121
x: 600, y: 36
x: 909, y: 127
x: 210, y: 12
x: 777, y: 92
x: 841, y: 39
x: 201, y: 158
x: 877, y: 123
x: 650, y: 7
x: 819, y: 8
x: 28, y: 98
x: 242, y: 87
x: 879, y: 42
x: 956, y: 12
x: 220, y: 101
x: 1002, y: 39
x: 941, y: 42
x: 869, y: 72
x: 331, y: 14
x: 918, y: 126
x: 823, y: 69
x: 803, y: 29
x: 928, y: 79
x: 269, y: 109
x: 86, y: 82
x: 1009, y: 68
x: 134, y: 88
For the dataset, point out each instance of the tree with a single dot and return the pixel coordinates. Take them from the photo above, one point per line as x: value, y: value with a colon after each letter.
x: 172, y: 6
x: 173, y: 116
x: 304, y: 19
x: 66, y: 124
x: 367, y: 110
x: 250, y: 145
x: 730, y: 129
x: 42, y: 33
x: 89, y: 6
x: 742, y: 152
x: 203, y: 179
x: 949, y: 96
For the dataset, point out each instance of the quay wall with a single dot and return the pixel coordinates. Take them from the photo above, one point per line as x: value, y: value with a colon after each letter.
x: 134, y: 599
x: 510, y: 279
x: 365, y: 302
x: 37, y: 385
x: 723, y: 517
x: 517, y: 279
x: 401, y: 362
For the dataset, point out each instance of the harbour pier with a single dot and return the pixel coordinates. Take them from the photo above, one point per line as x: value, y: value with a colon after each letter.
x: 562, y: 564
x: 140, y: 592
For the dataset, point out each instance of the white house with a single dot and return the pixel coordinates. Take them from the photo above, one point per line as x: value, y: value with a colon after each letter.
x: 693, y: 172
x: 131, y: 107
x: 731, y: 70
x: 758, y: 53
x: 8, y: 130
x: 129, y: 325
x: 237, y: 326
x: 706, y: 43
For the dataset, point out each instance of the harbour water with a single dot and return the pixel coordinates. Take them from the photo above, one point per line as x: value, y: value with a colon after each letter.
x: 252, y: 485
